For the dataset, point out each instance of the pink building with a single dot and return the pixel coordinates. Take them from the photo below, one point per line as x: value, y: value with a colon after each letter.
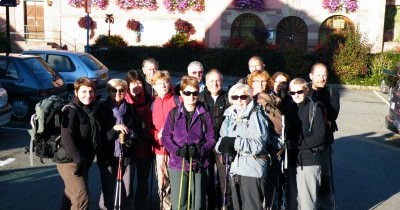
x: 301, y: 23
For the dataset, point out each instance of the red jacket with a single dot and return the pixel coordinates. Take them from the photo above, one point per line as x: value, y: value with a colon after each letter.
x: 160, y: 110
x: 143, y: 148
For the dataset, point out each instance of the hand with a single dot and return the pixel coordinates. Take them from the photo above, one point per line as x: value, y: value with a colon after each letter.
x: 227, y: 145
x: 193, y: 151
x: 121, y: 128
x: 183, y: 152
x: 80, y: 168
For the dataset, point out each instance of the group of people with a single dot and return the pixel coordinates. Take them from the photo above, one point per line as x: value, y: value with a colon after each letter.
x: 206, y: 147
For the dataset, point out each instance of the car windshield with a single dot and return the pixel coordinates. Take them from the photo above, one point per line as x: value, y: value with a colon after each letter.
x: 91, y: 62
x: 43, y: 72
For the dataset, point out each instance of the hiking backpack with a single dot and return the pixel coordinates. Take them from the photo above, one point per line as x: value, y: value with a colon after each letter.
x: 46, y: 127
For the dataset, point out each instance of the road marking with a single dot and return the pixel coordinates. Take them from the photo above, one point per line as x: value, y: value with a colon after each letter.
x: 8, y: 161
x: 383, y: 99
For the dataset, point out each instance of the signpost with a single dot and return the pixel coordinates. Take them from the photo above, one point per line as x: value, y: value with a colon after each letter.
x: 88, y: 8
x: 7, y: 4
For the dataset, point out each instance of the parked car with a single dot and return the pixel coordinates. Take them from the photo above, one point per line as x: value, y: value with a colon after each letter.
x: 28, y: 79
x: 392, y: 120
x: 5, y: 107
x: 389, y: 80
x: 73, y: 65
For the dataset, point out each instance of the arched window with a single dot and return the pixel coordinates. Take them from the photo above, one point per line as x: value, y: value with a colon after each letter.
x: 291, y: 32
x: 334, y: 25
x: 248, y: 27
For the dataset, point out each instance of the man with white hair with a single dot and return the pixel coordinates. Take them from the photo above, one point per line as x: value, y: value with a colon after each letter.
x: 194, y: 69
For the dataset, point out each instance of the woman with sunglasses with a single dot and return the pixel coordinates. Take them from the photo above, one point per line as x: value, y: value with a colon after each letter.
x: 306, y: 136
x: 188, y: 136
x: 117, y: 117
x: 79, y: 134
x: 244, y: 135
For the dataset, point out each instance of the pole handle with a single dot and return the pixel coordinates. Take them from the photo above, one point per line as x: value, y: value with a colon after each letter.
x: 122, y: 138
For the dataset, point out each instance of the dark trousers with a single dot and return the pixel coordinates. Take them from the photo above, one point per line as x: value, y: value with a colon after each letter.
x: 224, y: 191
x: 142, y: 195
x: 247, y: 192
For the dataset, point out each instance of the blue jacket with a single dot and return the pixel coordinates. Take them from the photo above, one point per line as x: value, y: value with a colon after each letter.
x: 173, y: 139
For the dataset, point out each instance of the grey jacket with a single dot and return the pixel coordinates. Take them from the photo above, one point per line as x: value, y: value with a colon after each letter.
x: 251, y: 131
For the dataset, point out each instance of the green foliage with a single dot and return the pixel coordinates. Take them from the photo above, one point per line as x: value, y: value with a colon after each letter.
x: 110, y: 41
x: 296, y: 62
x: 228, y: 61
x: 350, y: 60
x: 379, y: 62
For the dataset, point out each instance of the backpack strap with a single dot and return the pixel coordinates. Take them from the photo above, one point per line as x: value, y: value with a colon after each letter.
x: 176, y: 99
x: 173, y: 116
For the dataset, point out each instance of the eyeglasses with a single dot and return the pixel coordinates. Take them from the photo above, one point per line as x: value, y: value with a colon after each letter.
x: 296, y: 92
x: 242, y: 97
x: 114, y: 90
x: 188, y: 93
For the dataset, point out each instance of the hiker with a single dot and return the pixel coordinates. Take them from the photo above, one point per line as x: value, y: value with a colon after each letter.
x: 255, y: 63
x: 188, y: 136
x: 164, y: 101
x: 306, y: 133
x: 280, y: 83
x: 244, y: 136
x: 331, y: 101
x: 117, y: 117
x: 143, y: 156
x: 79, y: 133
x: 149, y: 68
x: 194, y: 69
x: 215, y: 100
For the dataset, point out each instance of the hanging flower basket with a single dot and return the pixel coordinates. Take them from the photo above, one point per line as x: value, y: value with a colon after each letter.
x: 137, y: 4
x: 101, y: 4
x: 250, y: 4
x: 333, y: 6
x: 184, y: 27
x: 182, y: 6
x: 133, y: 25
x: 82, y: 23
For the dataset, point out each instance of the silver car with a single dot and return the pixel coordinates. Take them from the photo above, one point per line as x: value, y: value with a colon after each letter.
x: 73, y: 65
x: 5, y: 107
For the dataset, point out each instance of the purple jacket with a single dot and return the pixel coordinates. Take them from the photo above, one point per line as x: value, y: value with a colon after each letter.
x: 174, y: 139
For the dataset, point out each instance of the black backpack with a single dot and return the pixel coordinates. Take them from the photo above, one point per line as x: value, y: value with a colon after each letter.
x: 46, y: 127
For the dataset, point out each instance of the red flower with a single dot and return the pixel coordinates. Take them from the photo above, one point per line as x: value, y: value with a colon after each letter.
x: 133, y: 25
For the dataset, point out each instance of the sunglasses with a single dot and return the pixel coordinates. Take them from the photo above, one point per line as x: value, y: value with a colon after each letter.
x: 114, y: 90
x: 296, y: 92
x: 188, y: 93
x: 242, y: 97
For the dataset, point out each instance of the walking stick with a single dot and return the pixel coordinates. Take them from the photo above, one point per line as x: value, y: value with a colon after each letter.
x: 117, y: 197
x: 190, y: 180
x: 227, y: 168
x: 180, y: 186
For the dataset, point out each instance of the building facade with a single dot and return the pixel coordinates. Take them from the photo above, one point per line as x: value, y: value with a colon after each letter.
x: 299, y: 23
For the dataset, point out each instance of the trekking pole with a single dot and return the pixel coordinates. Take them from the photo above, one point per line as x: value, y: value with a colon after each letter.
x: 117, y: 197
x: 227, y: 168
x: 180, y: 186
x: 190, y: 180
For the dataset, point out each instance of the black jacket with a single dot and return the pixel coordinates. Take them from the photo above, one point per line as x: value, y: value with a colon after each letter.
x: 77, y: 137
x: 331, y: 102
x: 107, y: 121
x: 216, y: 108
x: 307, y: 142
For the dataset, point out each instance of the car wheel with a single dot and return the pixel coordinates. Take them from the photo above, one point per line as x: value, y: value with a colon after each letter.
x: 384, y: 87
x: 22, y: 108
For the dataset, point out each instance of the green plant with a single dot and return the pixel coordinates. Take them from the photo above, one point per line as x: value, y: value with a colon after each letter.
x: 350, y: 60
x: 110, y: 41
x: 379, y: 62
x: 295, y: 62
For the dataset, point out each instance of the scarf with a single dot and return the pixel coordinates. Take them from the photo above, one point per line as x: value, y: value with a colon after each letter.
x: 94, y: 124
x: 118, y: 113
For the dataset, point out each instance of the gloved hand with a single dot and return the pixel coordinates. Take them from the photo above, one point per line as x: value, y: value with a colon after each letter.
x: 130, y: 138
x: 80, y: 168
x: 183, y: 152
x: 227, y: 145
x: 193, y: 150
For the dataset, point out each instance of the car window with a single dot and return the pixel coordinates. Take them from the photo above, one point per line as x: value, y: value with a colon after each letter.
x: 60, y: 63
x: 3, y: 68
x: 91, y: 62
x: 12, y: 72
x: 43, y: 72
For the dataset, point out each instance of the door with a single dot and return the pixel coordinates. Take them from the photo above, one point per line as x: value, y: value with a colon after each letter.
x: 292, y: 32
x: 34, y: 19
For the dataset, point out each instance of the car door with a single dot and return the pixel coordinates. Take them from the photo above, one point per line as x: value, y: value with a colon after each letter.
x: 63, y: 65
